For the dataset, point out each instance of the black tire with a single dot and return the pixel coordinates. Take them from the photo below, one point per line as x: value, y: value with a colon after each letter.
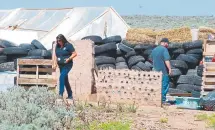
x: 190, y: 79
x: 124, y: 48
x: 197, y: 56
x: 120, y: 59
x: 106, y: 66
x: 1, y: 50
x: 3, y: 59
x: 15, y: 51
x: 7, y: 66
x: 27, y: 57
x: 130, y: 54
x: 178, y: 51
x: 105, y: 48
x: 176, y: 73
x: 129, y: 44
x: 147, y: 63
x: 120, y: 53
x: 193, y: 45
x: 143, y: 67
x: 121, y: 65
x: 192, y: 72
x: 179, y: 64
x: 27, y: 46
x: 136, y: 68
x: 147, y: 52
x: 134, y: 60
x: 189, y: 87
x: 143, y: 47
x: 196, y: 94
x: 108, y: 54
x: 38, y: 52
x: 116, y: 39
x: 175, y: 91
x: 5, y: 44
x: 195, y: 51
x: 174, y: 46
x: 96, y: 39
x: 191, y: 61
x: 200, y: 70
x: 104, y: 60
x: 38, y: 45
x: 172, y: 85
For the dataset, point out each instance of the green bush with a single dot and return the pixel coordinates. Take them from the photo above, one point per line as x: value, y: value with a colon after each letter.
x: 34, y: 109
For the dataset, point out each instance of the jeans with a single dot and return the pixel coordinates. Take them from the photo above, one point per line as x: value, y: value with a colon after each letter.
x: 165, y: 86
x: 64, y: 81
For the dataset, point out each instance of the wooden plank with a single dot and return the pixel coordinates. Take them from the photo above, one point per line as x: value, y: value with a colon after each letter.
x: 209, y: 80
x: 181, y: 94
x: 30, y: 76
x: 24, y: 69
x: 208, y: 73
x: 209, y: 63
x: 34, y: 62
x: 37, y: 81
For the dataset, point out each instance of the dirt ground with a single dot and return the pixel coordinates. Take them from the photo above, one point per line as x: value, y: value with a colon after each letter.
x: 168, y: 118
x: 150, y: 118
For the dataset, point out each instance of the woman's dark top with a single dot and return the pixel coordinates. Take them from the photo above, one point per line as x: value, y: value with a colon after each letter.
x: 63, y: 53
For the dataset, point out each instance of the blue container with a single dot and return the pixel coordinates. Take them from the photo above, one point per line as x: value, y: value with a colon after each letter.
x: 188, y: 103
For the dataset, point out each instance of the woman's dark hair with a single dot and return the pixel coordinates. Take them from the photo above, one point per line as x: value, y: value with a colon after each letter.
x: 62, y: 38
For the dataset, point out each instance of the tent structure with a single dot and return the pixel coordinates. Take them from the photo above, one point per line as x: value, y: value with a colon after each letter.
x: 74, y: 23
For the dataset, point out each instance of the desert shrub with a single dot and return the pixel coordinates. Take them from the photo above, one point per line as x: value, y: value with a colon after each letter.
x: 34, y: 109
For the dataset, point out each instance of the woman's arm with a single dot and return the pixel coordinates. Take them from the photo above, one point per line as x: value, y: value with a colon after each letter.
x: 74, y: 54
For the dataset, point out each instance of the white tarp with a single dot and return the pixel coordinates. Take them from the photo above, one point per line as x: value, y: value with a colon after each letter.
x: 74, y: 23
x: 18, y: 37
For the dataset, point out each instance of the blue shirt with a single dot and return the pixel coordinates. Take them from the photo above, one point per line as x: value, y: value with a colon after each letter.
x: 64, y: 53
x: 159, y: 55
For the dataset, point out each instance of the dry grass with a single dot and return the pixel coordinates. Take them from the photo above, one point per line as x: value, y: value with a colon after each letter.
x: 204, y: 32
x: 179, y: 35
x: 142, y: 35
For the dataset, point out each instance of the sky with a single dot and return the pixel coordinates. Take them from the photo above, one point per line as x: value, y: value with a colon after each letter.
x: 125, y: 7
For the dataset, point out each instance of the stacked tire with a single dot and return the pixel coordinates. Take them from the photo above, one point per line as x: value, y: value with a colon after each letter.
x: 114, y: 53
x: 187, y: 73
x: 9, y: 53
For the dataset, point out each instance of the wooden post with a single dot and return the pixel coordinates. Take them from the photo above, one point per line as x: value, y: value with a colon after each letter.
x: 37, y: 74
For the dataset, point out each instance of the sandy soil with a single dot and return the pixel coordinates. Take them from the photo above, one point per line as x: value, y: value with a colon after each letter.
x: 151, y: 118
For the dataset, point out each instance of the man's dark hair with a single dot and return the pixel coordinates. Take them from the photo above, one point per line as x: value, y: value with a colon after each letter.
x: 165, y: 40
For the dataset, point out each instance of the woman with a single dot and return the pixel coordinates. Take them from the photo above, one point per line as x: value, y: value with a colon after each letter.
x: 64, y: 54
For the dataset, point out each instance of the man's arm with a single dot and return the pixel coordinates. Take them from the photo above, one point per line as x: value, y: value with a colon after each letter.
x: 167, y: 61
x: 168, y: 65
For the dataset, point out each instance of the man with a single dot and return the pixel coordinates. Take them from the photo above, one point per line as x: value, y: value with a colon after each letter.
x: 161, y: 63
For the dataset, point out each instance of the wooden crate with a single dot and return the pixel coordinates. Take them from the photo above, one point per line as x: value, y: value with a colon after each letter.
x: 209, y: 46
x: 35, y: 72
x: 208, y: 83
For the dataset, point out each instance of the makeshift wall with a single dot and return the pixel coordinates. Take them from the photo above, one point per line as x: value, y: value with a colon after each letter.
x: 129, y: 86
x: 81, y: 77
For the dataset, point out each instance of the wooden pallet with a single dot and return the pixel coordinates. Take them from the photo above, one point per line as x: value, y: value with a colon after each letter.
x: 208, y: 83
x: 35, y: 72
x: 208, y: 78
